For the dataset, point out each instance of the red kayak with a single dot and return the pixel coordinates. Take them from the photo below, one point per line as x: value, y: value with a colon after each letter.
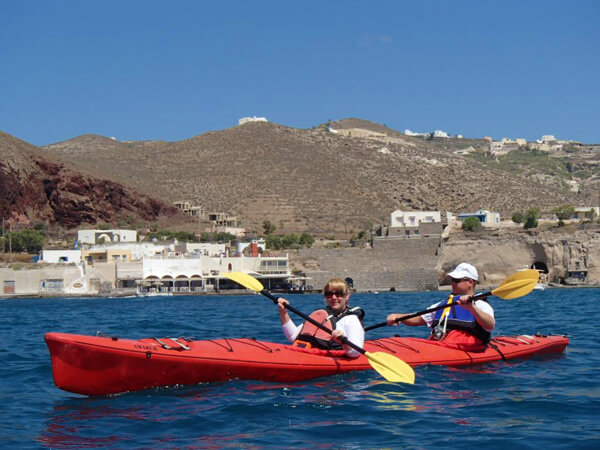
x: 96, y: 365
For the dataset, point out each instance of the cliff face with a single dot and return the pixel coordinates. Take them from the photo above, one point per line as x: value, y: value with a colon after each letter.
x: 35, y: 189
x: 499, y: 253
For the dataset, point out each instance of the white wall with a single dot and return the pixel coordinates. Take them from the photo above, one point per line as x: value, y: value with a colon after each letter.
x: 54, y: 256
x: 205, y: 248
x: 93, y: 236
x: 202, y: 266
x: 400, y: 218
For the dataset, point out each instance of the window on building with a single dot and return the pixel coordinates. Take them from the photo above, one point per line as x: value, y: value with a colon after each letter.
x: 9, y: 287
x: 54, y: 284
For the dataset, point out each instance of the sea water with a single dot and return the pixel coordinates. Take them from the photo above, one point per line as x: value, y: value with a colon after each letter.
x: 550, y: 402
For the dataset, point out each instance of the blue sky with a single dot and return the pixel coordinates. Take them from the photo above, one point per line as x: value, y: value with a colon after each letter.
x: 142, y: 70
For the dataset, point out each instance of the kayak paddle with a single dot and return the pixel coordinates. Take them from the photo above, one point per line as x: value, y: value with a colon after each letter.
x: 516, y: 285
x: 388, y: 366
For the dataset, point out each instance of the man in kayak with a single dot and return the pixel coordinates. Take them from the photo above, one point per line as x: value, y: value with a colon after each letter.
x: 337, y: 316
x: 467, y: 325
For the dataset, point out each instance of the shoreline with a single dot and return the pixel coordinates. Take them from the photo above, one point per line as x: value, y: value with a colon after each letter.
x: 231, y: 292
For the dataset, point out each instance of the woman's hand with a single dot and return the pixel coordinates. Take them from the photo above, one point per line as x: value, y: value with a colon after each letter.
x: 337, y: 335
x: 282, y: 303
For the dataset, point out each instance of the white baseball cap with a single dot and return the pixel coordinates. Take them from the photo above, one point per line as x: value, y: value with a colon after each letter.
x: 464, y: 270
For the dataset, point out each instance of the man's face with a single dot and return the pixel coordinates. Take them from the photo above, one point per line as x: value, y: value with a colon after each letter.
x: 461, y: 286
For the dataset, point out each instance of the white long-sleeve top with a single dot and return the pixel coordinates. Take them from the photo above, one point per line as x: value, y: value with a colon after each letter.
x: 350, y: 325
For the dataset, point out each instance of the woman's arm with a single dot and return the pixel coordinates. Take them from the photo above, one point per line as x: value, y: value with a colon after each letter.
x: 351, y: 327
x: 290, y: 330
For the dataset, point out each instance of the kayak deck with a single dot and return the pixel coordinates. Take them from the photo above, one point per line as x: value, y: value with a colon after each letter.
x: 97, y: 365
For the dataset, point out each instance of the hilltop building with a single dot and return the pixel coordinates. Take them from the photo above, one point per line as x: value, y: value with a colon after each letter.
x: 244, y: 120
x: 435, y: 134
x: 506, y: 145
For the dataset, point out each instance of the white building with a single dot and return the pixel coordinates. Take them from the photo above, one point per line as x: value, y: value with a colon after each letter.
x: 412, y: 133
x: 259, y: 243
x: 244, y: 120
x: 202, y: 273
x: 586, y: 212
x: 106, y: 236
x: 414, y: 224
x: 506, y: 145
x: 61, y: 256
x: 548, y: 138
x: 400, y: 218
x: 483, y: 215
x: 202, y: 248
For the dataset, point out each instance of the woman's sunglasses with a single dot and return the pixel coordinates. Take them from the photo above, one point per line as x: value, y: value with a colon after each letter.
x: 330, y: 294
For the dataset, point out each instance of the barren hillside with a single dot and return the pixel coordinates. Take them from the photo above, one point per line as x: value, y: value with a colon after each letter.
x: 310, y: 180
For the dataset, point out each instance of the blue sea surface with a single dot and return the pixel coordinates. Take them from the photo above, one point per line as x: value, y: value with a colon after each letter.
x: 550, y: 402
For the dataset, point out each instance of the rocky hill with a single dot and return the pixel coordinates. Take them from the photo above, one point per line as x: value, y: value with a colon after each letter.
x: 34, y: 188
x: 334, y: 179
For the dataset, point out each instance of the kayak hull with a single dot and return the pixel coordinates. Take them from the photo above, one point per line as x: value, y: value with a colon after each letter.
x: 97, y: 365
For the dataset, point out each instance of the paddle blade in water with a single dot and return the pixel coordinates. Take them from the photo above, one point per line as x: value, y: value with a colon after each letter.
x: 391, y: 368
x: 248, y: 281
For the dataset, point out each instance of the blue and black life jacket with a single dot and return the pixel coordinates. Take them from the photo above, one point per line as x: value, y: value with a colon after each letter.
x: 313, y: 337
x: 460, y: 318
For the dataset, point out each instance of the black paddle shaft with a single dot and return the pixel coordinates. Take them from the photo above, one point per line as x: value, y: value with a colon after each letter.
x: 289, y: 307
x: 425, y: 311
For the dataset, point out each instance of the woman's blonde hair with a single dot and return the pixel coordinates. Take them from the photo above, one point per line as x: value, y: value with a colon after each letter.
x: 336, y: 284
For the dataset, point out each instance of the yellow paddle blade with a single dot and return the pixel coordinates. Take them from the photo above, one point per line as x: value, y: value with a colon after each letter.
x: 248, y: 281
x: 515, y: 288
x: 529, y: 274
x: 391, y: 368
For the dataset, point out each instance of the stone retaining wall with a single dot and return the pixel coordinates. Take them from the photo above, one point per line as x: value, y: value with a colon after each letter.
x: 398, y: 264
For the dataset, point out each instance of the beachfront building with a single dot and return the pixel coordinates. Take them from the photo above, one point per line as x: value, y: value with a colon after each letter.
x: 202, y: 273
x: 484, y: 216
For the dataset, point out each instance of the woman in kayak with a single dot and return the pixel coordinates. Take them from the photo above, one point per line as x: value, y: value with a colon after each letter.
x: 336, y: 316
x: 467, y: 325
